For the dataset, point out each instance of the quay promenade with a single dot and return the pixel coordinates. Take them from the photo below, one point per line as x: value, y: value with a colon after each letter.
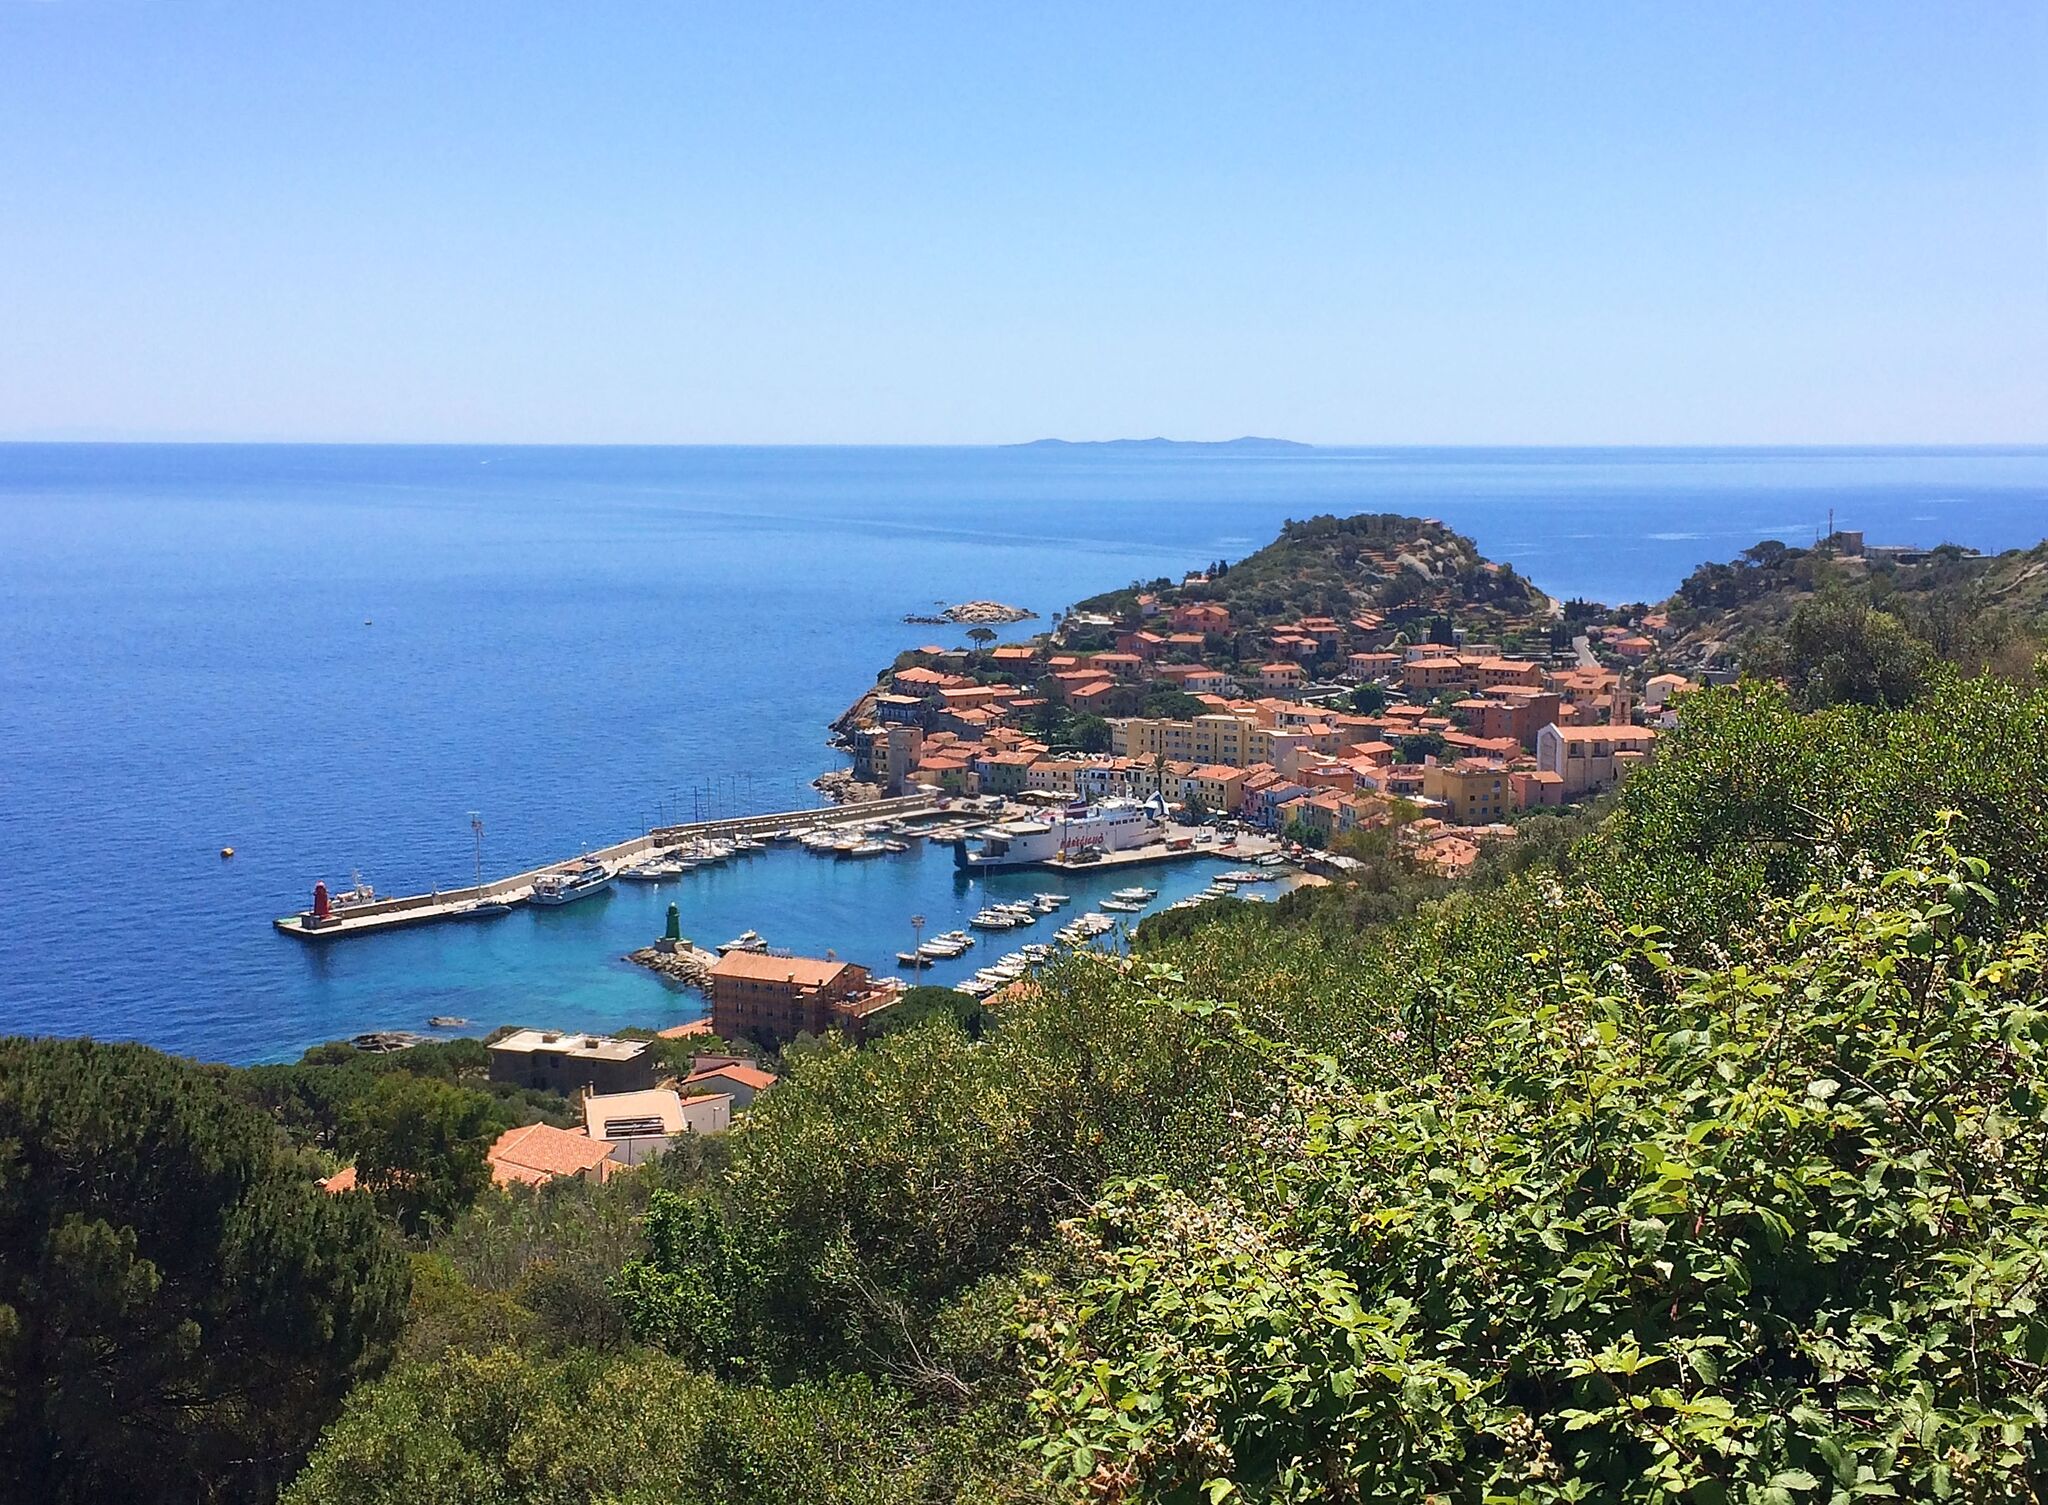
x: 448, y: 904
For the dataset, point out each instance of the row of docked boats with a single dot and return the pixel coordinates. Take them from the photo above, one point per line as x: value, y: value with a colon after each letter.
x: 1017, y: 913
x: 1130, y: 900
x: 673, y: 862
x: 874, y: 838
x: 1006, y: 970
x: 858, y: 841
x: 949, y: 946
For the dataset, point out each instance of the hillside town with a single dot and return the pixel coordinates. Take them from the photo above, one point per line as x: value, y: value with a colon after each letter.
x: 1439, y: 711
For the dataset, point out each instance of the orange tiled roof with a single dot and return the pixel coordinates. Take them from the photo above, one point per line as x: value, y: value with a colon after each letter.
x: 803, y: 970
x: 746, y: 1076
x: 541, y: 1152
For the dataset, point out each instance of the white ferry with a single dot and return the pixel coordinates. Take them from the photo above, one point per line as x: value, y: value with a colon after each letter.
x: 569, y: 884
x: 1112, y: 826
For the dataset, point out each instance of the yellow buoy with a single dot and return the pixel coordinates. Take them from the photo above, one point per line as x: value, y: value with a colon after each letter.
x: 226, y: 852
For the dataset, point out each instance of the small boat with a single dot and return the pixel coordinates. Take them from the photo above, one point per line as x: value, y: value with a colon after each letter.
x: 1122, y: 906
x: 865, y: 849
x: 786, y: 835
x: 480, y: 909
x: 746, y: 940
x: 914, y: 958
x: 1136, y: 895
x: 446, y: 1021
x: 993, y: 919
x: 1049, y: 902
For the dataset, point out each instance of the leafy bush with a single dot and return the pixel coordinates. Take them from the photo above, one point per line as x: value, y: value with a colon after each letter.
x: 1773, y: 1231
x: 638, y: 1429
x: 875, y: 1185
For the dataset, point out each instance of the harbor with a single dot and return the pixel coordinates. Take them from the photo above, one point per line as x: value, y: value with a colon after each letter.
x: 873, y: 829
x: 592, y: 964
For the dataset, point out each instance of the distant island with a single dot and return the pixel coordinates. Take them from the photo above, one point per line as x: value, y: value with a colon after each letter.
x: 1249, y: 444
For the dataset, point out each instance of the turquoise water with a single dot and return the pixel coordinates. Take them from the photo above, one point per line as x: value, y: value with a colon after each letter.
x: 326, y: 657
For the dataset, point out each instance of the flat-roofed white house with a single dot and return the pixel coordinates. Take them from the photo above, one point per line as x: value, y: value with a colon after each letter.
x: 640, y: 1125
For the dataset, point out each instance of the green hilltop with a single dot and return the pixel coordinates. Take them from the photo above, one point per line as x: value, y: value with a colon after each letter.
x: 1403, y: 567
x: 1757, y: 592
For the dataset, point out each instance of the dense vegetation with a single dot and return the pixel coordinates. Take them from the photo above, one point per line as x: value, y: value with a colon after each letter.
x: 1695, y: 1152
x: 1865, y: 628
x: 181, y: 1308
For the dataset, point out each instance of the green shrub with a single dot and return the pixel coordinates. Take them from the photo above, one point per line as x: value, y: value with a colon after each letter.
x: 1773, y: 1231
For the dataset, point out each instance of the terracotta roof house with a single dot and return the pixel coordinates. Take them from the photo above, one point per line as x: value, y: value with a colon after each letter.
x: 739, y: 1081
x: 538, y: 1153
x: 779, y: 997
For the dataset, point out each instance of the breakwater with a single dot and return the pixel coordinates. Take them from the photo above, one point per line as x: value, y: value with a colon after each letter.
x: 451, y: 904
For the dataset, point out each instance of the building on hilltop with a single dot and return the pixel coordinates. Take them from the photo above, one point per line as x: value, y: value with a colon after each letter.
x: 569, y: 1063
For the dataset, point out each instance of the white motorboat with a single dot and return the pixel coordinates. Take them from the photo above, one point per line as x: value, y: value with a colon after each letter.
x: 566, y: 885
x: 1136, y: 894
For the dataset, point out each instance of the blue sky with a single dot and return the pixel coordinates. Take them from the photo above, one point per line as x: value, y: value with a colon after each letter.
x: 961, y: 223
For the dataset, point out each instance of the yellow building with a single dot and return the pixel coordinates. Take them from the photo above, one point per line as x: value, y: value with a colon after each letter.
x: 1473, y: 793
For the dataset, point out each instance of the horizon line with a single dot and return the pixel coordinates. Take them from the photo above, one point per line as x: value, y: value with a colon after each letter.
x: 1040, y: 443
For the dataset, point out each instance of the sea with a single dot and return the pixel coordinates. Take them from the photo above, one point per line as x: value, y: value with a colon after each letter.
x: 329, y: 657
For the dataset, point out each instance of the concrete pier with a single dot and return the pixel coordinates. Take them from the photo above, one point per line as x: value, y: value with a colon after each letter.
x: 450, y: 904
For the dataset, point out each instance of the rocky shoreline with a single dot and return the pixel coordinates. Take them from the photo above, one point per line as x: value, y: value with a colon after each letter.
x: 976, y: 614
x: 842, y: 788
x: 685, y: 964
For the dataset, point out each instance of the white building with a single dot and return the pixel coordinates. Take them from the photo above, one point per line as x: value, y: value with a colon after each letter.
x: 640, y: 1125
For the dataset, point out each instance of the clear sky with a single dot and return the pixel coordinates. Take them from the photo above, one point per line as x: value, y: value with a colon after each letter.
x: 963, y: 223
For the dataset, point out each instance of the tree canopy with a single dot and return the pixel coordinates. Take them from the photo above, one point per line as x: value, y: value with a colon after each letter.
x: 181, y: 1307
x: 419, y: 1147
